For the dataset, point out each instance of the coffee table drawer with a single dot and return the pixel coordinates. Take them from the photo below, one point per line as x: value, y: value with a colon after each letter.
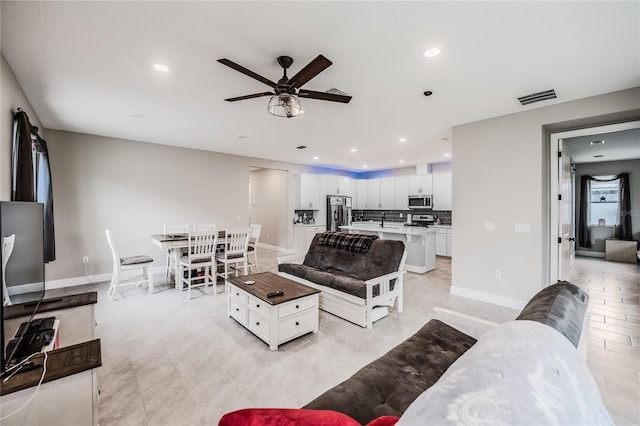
x: 236, y: 293
x: 238, y: 311
x: 295, y: 306
x: 259, y: 305
x: 297, y: 325
x: 259, y: 325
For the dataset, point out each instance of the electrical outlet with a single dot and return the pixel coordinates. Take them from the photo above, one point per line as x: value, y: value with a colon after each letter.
x: 85, y: 259
x: 498, y: 274
x: 593, y: 242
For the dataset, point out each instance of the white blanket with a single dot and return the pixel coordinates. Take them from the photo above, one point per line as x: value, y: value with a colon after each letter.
x: 519, y: 373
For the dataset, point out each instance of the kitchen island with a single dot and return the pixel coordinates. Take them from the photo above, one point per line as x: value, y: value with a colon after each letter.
x: 420, y: 242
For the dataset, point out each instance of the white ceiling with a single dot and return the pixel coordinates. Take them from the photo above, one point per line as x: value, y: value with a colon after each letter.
x: 621, y: 145
x: 86, y: 66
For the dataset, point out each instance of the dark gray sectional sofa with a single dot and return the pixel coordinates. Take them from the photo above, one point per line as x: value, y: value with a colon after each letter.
x: 389, y: 385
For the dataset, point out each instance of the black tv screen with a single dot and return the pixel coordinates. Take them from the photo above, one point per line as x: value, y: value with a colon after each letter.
x: 24, y: 270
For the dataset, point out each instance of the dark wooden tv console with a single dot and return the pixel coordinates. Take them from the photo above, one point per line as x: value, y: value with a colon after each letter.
x: 69, y: 392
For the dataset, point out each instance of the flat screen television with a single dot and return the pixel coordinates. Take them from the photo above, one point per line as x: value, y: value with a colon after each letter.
x: 24, y: 271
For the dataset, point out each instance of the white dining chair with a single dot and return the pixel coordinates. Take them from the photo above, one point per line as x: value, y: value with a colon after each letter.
x: 196, y: 267
x: 7, y: 249
x: 252, y: 248
x: 127, y: 263
x: 235, y: 252
x: 171, y: 256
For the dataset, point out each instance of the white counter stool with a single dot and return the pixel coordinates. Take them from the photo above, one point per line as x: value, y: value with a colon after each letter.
x: 125, y: 263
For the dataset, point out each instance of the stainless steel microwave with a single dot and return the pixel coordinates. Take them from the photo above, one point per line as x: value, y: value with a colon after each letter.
x: 420, y: 202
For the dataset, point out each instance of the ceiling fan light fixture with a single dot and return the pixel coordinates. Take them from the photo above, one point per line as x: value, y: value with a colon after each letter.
x: 284, y: 105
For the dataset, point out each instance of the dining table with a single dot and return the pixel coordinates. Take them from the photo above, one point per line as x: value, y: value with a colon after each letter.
x: 175, y: 244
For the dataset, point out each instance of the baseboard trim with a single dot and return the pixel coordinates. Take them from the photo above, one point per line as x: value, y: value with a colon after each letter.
x: 276, y: 248
x: 482, y: 296
x: 75, y: 281
x: 585, y: 253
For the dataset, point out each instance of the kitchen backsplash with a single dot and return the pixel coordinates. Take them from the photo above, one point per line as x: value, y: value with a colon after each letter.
x: 394, y: 215
x: 305, y: 216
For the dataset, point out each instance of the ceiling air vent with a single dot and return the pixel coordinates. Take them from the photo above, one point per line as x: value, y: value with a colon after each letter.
x: 537, y: 97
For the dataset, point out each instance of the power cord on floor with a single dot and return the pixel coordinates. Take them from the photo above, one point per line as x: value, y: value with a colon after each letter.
x: 44, y: 372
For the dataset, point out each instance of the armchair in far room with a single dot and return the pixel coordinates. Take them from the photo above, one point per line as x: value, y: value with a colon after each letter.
x: 252, y: 249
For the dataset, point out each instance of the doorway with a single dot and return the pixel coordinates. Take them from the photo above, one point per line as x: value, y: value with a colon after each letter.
x: 268, y: 205
x: 562, y: 190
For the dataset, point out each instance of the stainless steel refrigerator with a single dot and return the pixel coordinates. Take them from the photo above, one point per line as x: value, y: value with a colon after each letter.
x: 338, y: 212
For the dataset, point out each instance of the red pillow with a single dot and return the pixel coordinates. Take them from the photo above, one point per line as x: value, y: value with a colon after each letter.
x: 296, y: 417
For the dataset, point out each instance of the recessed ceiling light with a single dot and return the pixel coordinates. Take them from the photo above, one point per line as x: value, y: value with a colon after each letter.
x: 365, y: 166
x: 242, y: 136
x: 430, y: 53
x: 598, y: 156
x: 402, y: 139
x: 401, y: 161
x: 161, y: 68
x: 596, y: 143
x: 301, y: 147
x: 353, y: 150
x: 136, y: 115
x: 428, y: 93
x: 445, y: 139
x: 316, y: 158
x: 446, y: 154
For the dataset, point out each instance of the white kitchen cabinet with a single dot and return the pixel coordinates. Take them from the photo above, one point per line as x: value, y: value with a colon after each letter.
x: 443, y: 241
x: 337, y: 185
x: 373, y: 194
x: 442, y: 191
x: 303, y: 235
x: 401, y: 192
x: 307, y: 187
x: 361, y: 194
x: 421, y: 185
x: 353, y: 192
x: 387, y: 193
x: 343, y: 186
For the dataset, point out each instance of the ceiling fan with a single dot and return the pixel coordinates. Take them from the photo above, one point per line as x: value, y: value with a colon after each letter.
x: 284, y: 97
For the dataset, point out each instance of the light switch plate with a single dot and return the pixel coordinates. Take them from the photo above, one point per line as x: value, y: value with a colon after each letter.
x: 489, y: 226
x: 523, y: 227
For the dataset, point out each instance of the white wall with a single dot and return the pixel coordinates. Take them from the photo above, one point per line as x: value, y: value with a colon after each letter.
x: 269, y: 196
x: 500, y: 174
x: 12, y: 98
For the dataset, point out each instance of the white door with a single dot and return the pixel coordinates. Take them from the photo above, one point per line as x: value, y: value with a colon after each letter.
x: 566, y: 228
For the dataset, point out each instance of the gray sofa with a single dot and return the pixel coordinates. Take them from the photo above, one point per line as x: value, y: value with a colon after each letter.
x: 526, y: 371
x: 359, y: 276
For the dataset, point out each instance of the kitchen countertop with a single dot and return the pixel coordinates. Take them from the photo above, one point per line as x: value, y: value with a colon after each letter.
x: 390, y: 229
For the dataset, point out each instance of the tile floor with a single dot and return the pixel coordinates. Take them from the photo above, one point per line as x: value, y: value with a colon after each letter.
x: 169, y: 360
x: 613, y: 354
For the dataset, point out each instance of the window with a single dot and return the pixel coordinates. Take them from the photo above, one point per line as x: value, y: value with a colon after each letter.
x: 605, y: 195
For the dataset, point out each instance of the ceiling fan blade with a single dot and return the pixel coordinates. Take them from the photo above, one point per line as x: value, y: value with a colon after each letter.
x: 255, y: 95
x: 312, y: 69
x: 323, y: 96
x: 248, y: 72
